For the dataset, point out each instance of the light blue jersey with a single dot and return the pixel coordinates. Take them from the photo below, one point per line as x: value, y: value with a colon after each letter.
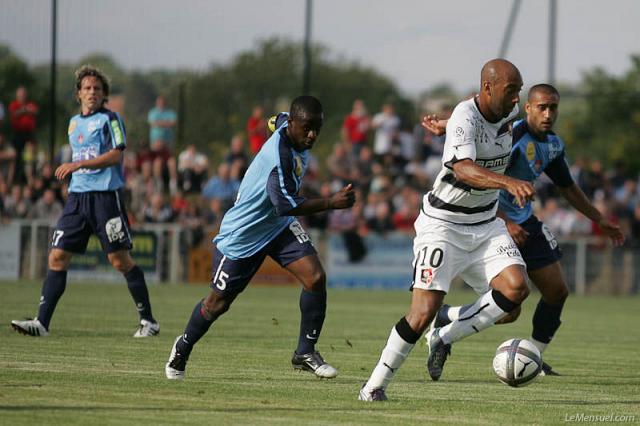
x: 269, y: 190
x: 91, y: 136
x: 531, y: 157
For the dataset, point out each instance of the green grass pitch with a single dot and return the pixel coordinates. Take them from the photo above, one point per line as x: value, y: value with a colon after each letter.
x: 91, y: 371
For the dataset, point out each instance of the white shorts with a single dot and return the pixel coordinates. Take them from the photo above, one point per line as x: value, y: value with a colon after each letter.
x: 478, y: 253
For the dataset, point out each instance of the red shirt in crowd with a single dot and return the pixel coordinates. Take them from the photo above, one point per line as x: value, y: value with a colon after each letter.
x: 257, y: 131
x: 25, y: 121
x: 356, y: 128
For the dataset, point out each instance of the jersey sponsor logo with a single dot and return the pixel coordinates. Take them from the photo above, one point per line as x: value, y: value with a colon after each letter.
x: 298, y: 170
x: 511, y: 250
x: 531, y: 151
x: 117, y: 133
x: 72, y: 126
x: 114, y: 229
x: 493, y: 163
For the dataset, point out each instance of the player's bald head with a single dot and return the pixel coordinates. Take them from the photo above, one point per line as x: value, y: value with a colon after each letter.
x: 499, y: 70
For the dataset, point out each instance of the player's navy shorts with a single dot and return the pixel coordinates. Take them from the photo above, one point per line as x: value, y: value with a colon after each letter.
x: 231, y: 277
x: 541, y: 248
x: 85, y: 213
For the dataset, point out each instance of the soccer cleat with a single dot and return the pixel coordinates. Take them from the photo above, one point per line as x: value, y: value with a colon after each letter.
x: 177, y: 364
x: 438, y: 320
x: 30, y: 327
x: 147, y: 328
x: 547, y: 370
x: 438, y: 353
x: 374, y: 395
x: 314, y: 363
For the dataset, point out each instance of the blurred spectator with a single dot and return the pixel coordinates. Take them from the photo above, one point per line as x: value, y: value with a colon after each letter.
x: 407, y: 208
x: 341, y: 166
x: 257, y: 129
x: 634, y: 239
x: 162, y: 122
x: 355, y: 127
x: 179, y: 204
x: 15, y: 205
x: 381, y: 221
x: 192, y: 169
x: 22, y: 113
x: 386, y: 124
x: 363, y: 173
x: 47, y: 208
x: 2, y: 115
x: 237, y: 155
x: 7, y: 161
x: 157, y: 210
x: 595, y: 180
x: 222, y: 188
x: 347, y: 223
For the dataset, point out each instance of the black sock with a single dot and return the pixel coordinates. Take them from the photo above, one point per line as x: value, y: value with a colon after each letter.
x: 138, y: 289
x: 52, y: 288
x: 312, y: 311
x: 197, y: 327
x: 546, y: 320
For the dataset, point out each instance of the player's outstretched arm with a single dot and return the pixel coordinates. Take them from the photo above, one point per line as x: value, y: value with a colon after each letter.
x: 342, y: 199
x: 574, y: 195
x: 107, y: 159
x: 470, y: 173
x: 435, y: 125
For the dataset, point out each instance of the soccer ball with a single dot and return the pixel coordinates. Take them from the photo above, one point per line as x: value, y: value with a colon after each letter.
x: 517, y: 362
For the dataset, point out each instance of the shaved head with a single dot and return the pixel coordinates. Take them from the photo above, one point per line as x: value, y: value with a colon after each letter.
x: 498, y: 70
x: 500, y: 84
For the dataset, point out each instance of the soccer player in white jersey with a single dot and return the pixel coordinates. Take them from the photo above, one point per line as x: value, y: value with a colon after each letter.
x: 458, y: 234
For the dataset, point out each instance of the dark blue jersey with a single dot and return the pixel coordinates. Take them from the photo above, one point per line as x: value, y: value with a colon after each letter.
x: 531, y: 157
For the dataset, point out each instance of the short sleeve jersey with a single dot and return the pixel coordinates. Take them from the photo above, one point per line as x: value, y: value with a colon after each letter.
x: 269, y: 190
x: 91, y: 136
x: 469, y: 136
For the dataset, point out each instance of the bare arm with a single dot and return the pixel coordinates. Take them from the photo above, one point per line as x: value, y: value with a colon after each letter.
x: 473, y: 175
x: 342, y: 199
x: 574, y: 195
x: 107, y: 159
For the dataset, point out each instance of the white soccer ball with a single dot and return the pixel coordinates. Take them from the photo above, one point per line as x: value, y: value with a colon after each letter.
x: 517, y: 362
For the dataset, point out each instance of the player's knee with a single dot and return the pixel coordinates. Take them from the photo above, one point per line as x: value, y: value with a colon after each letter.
x: 216, y: 305
x: 317, y: 281
x: 514, y: 287
x: 58, y: 260
x: 121, y: 264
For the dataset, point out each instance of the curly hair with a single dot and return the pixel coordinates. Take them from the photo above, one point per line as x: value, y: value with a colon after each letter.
x: 91, y: 71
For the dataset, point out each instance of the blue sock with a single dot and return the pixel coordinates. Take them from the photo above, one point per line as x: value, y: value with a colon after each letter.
x: 546, y: 321
x: 312, y: 311
x: 138, y: 289
x: 197, y: 327
x: 52, y: 288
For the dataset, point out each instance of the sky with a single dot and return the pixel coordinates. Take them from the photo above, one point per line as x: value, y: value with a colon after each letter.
x: 416, y: 43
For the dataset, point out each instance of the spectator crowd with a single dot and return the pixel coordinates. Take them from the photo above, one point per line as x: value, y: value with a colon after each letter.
x: 390, y: 163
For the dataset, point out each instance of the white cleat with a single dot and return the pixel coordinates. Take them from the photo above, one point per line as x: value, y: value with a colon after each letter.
x: 313, y: 363
x: 177, y: 364
x: 30, y: 327
x: 147, y: 328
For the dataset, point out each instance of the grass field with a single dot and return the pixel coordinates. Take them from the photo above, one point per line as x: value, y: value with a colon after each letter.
x: 91, y: 371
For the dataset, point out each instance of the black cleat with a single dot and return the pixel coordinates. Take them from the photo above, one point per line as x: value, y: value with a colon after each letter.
x: 438, y: 353
x: 314, y: 363
x: 175, y: 368
x: 548, y: 371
